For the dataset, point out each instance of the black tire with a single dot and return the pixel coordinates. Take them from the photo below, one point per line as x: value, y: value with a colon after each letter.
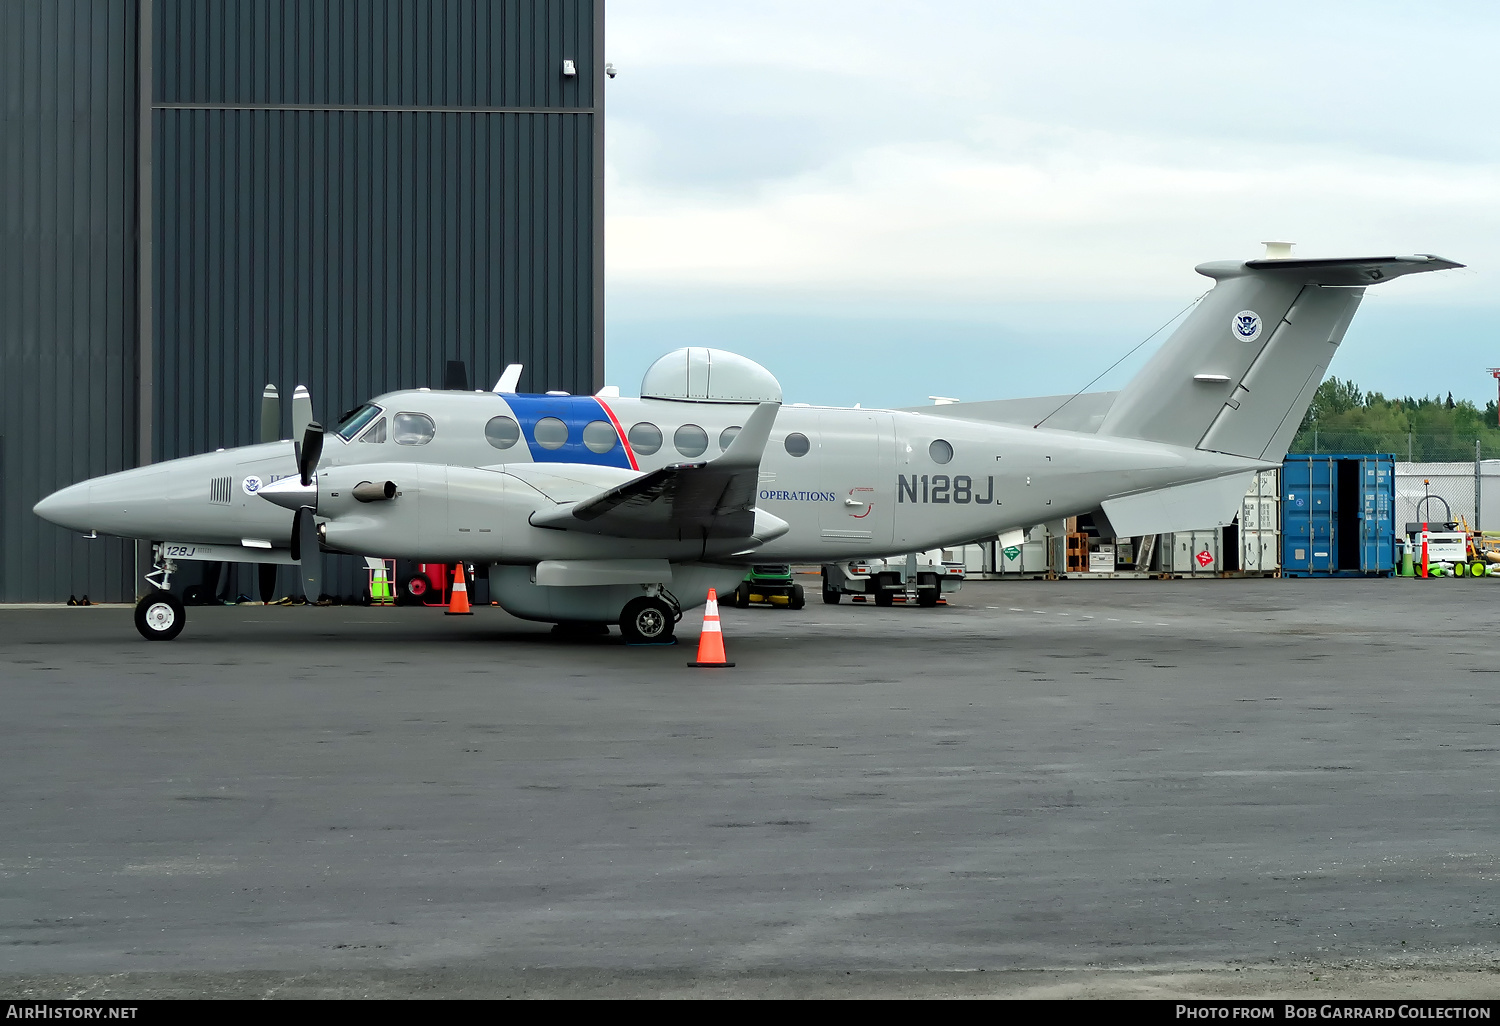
x: 799, y: 597
x: 928, y: 590
x: 884, y: 596
x: 160, y: 616
x: 414, y: 590
x: 580, y: 629
x: 646, y: 621
x: 742, y: 595
x: 830, y: 596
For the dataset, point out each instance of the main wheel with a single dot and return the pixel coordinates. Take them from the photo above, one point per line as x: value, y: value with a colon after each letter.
x: 799, y: 597
x: 645, y: 621
x: 160, y: 616
x: 414, y: 590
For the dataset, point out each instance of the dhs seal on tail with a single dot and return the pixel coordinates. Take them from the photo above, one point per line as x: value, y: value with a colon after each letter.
x: 1246, y: 326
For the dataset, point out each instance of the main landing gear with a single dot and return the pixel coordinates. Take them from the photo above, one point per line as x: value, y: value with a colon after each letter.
x: 650, y: 619
x: 160, y: 616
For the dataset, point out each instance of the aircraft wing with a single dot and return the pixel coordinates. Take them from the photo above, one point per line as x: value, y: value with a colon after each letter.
x: 710, y: 499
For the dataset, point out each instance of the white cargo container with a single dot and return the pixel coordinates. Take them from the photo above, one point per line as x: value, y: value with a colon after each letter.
x: 1260, y: 524
x: 1192, y: 553
x: 1029, y: 559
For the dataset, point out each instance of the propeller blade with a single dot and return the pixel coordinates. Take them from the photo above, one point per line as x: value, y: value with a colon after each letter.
x: 296, y: 545
x: 302, y: 410
x: 266, y: 574
x: 310, y: 453
x: 270, y: 414
x: 306, y: 552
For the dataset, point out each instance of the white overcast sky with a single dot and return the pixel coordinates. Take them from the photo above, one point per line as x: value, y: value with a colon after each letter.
x: 882, y: 201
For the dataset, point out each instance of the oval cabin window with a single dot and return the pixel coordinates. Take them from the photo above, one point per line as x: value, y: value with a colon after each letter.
x: 645, y: 438
x: 551, y: 433
x: 599, y: 436
x: 502, y: 432
x: 691, y: 440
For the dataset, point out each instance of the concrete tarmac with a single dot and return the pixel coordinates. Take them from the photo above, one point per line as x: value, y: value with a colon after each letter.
x: 1112, y: 788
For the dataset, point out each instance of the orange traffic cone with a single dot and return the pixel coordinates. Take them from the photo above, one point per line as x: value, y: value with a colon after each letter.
x: 711, y: 641
x: 458, y: 602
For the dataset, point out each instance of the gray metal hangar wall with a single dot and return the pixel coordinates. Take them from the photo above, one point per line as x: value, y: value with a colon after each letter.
x: 345, y: 194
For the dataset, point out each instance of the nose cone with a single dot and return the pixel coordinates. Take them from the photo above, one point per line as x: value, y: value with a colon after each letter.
x: 291, y: 493
x: 69, y: 507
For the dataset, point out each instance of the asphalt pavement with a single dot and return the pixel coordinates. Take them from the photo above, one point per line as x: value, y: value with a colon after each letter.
x: 1103, y: 788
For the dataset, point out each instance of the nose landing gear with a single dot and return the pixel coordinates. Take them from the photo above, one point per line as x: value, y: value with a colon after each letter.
x: 160, y: 616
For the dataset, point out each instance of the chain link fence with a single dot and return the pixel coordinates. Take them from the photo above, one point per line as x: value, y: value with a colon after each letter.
x: 1411, y: 447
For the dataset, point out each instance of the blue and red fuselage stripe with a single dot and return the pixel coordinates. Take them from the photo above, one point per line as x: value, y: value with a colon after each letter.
x: 577, y: 412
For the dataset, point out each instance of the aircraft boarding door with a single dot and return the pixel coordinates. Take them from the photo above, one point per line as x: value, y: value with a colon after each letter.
x: 1376, y: 495
x: 856, y: 462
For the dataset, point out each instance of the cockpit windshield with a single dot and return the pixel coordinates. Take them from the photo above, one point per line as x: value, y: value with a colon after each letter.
x: 350, y: 425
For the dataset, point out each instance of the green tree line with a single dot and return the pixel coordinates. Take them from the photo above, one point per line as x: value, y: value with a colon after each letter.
x: 1344, y: 418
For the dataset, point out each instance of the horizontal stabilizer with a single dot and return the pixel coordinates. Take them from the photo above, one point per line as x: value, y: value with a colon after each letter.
x: 1084, y: 412
x: 1189, y: 507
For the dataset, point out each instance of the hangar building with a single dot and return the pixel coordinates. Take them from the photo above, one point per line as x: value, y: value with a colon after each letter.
x: 197, y: 199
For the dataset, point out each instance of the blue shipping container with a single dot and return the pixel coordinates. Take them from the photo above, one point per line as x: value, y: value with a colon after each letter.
x: 1336, y: 515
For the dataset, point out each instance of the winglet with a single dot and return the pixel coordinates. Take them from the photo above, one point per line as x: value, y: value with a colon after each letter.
x: 509, y: 380
x: 750, y: 444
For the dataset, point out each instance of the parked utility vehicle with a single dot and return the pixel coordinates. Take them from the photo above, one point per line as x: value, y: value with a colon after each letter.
x: 770, y: 584
x: 920, y: 577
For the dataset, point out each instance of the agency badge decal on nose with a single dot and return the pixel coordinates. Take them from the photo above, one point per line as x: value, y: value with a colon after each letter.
x: 251, y: 485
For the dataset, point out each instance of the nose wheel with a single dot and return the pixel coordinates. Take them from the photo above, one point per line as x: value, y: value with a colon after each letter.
x: 160, y: 616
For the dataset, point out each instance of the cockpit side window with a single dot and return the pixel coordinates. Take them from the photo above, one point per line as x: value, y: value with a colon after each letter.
x: 375, y: 432
x: 413, y: 429
x: 351, y: 425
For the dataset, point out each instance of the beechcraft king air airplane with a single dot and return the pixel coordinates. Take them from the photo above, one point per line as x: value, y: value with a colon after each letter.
x: 602, y: 510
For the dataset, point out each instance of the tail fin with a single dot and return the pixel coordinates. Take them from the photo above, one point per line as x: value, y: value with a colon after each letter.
x: 1239, y: 373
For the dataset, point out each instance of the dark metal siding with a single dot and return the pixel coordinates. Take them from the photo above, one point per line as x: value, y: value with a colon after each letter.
x: 340, y: 193
x: 347, y: 194
x: 356, y: 253
x: 68, y: 88
x: 429, y: 53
